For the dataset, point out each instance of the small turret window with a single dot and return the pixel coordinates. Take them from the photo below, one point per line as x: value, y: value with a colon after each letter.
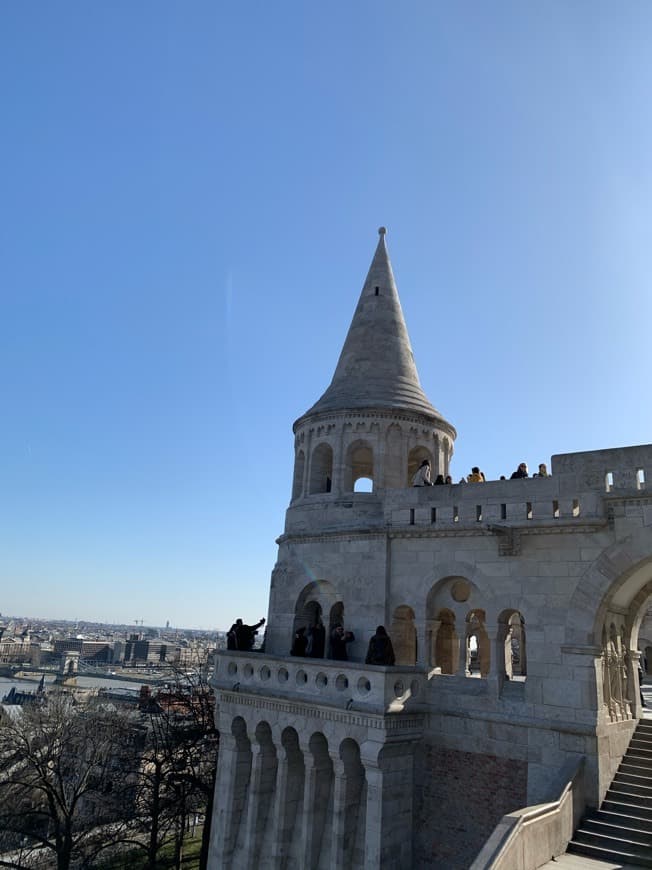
x: 377, y: 290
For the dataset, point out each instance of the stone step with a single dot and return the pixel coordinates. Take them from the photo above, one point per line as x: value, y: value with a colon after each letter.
x: 616, y: 830
x: 633, y: 757
x: 623, y: 818
x: 631, y: 773
x: 629, y: 797
x: 618, y: 804
x: 644, y: 791
x: 616, y: 855
x: 612, y: 843
x: 644, y: 747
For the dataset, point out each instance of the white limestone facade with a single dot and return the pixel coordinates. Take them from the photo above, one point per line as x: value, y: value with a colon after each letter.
x: 515, y: 609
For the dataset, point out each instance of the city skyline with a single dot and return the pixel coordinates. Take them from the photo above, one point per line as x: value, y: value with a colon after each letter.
x: 189, y: 214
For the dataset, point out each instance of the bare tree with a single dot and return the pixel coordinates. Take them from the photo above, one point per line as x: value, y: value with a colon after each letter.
x: 177, y: 778
x: 66, y: 782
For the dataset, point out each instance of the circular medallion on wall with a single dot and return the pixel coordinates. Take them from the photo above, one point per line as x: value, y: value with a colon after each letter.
x: 460, y: 590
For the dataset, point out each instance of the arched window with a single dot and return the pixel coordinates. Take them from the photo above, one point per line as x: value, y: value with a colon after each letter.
x: 359, y: 463
x: 315, y: 599
x: 478, y: 655
x: 447, y: 643
x: 321, y: 469
x: 404, y: 636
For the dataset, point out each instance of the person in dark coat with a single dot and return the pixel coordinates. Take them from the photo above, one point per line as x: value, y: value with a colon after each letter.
x: 245, y: 634
x: 300, y: 642
x: 521, y: 471
x: 339, y: 640
x: 380, y: 650
x: 316, y: 640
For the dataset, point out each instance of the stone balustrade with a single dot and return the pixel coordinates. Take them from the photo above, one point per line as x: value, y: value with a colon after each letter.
x: 351, y: 685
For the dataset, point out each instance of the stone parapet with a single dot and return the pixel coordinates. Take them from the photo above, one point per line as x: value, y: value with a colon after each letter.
x: 579, y: 490
x: 348, y: 685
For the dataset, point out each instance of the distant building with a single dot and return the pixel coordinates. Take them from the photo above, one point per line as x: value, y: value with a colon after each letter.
x: 89, y: 650
x: 149, y: 652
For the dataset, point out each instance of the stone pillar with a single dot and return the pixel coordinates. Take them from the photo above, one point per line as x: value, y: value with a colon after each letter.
x: 432, y: 627
x: 279, y: 853
x: 463, y: 661
x: 388, y: 830
x: 423, y: 651
x: 233, y: 771
x: 287, y: 800
x: 348, y: 812
x: 261, y: 793
x: 499, y: 642
x: 316, y: 797
x: 633, y: 682
x: 307, y: 467
x: 339, y: 813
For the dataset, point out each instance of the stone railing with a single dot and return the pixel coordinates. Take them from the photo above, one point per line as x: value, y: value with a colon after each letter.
x: 528, y: 838
x: 513, y: 502
x: 350, y: 685
x: 574, y: 493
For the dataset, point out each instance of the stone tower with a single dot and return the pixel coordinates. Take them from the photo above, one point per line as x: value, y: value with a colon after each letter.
x: 514, y: 607
x: 374, y: 420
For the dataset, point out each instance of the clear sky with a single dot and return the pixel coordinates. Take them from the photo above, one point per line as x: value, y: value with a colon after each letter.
x: 189, y: 199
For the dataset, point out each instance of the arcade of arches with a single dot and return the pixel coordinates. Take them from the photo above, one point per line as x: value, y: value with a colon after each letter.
x: 321, y: 470
x: 458, y: 641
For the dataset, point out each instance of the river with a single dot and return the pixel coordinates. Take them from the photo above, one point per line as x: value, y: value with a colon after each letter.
x: 83, y: 682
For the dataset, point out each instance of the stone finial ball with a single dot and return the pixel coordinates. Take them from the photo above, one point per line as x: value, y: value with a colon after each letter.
x: 382, y: 231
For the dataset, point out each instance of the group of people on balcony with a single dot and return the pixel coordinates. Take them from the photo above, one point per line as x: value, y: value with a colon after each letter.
x: 241, y: 637
x: 310, y: 642
x: 422, y: 475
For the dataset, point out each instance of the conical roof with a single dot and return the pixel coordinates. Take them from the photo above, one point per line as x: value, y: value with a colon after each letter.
x: 376, y: 367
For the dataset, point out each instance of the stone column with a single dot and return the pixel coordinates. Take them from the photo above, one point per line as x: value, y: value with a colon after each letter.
x: 633, y: 682
x: 261, y: 792
x: 348, y: 811
x: 233, y: 770
x: 432, y: 627
x: 307, y: 467
x: 463, y: 663
x: 388, y: 831
x: 279, y: 811
x: 339, y: 813
x: 498, y: 644
x: 422, y: 643
x: 316, y: 796
x: 287, y: 801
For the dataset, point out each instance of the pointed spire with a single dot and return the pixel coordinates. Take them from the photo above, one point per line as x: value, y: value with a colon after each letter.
x: 376, y: 367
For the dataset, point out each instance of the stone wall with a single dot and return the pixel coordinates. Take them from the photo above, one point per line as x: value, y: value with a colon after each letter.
x: 460, y: 797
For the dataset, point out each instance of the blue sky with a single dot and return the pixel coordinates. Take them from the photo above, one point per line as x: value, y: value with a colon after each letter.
x: 188, y: 208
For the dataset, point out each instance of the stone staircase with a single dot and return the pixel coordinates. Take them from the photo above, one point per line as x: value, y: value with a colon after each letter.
x: 621, y: 830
